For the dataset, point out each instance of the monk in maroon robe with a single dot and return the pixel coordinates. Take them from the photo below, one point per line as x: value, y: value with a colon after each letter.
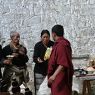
x: 60, y: 68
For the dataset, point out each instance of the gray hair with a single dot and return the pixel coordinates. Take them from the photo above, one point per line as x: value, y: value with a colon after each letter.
x: 12, y: 33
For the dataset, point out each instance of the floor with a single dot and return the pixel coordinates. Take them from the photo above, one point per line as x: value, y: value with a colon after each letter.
x: 30, y: 83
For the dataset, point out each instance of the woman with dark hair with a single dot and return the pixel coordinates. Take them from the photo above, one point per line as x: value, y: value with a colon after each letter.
x: 40, y: 69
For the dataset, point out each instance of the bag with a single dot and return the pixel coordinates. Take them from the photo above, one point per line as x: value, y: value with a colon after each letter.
x: 44, y: 89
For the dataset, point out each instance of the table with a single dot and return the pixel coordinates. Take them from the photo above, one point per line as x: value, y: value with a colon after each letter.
x: 86, y: 83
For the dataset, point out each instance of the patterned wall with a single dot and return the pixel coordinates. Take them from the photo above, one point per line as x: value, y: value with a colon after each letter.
x: 29, y: 17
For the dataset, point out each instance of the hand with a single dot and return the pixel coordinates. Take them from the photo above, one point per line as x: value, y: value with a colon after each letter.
x: 50, y: 80
x: 15, y: 54
x: 7, y: 61
x: 39, y: 60
x: 21, y: 52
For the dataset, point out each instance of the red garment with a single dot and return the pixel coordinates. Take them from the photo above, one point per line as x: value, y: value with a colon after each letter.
x: 61, y: 55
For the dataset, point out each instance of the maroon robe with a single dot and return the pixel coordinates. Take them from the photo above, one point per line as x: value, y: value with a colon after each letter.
x: 61, y: 55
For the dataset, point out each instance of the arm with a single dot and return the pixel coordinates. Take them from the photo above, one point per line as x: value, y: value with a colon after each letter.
x: 36, y: 55
x: 23, y: 54
x: 58, y: 70
x: 6, y: 51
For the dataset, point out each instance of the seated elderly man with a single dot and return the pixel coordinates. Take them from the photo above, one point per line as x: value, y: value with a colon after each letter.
x: 15, y: 58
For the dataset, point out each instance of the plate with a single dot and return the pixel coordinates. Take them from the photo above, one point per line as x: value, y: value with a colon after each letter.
x: 10, y: 56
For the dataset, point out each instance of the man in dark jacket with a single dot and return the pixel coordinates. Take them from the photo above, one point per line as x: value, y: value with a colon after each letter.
x: 15, y: 58
x: 0, y: 61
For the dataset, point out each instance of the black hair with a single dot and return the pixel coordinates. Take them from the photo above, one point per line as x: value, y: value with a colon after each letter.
x: 45, y: 31
x: 58, y: 29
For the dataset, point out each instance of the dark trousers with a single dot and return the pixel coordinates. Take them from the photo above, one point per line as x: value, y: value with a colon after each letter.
x: 11, y: 72
x: 38, y: 79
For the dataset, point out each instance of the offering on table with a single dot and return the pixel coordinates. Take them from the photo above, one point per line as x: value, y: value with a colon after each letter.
x: 90, y: 70
x: 79, y: 72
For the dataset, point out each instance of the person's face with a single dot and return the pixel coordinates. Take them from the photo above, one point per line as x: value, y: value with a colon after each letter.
x: 15, y: 38
x: 45, y: 38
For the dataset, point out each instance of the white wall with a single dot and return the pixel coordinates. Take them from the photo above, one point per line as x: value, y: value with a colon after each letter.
x: 29, y: 17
